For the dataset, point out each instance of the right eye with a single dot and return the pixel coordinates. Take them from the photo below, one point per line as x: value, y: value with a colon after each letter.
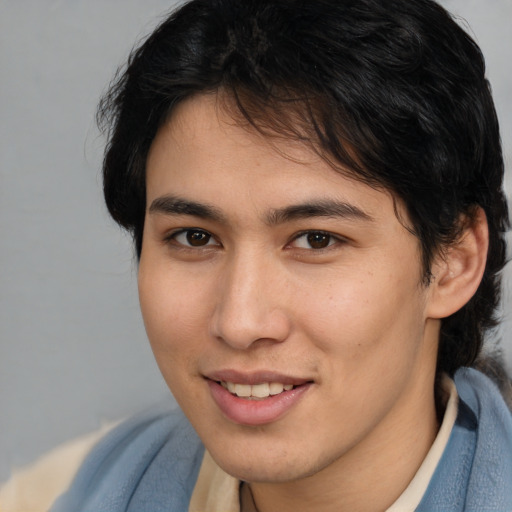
x: 193, y: 238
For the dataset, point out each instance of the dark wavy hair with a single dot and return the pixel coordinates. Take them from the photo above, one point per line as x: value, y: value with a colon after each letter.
x: 391, y: 91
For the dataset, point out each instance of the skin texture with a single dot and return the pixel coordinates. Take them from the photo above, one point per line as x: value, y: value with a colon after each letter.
x: 252, y: 296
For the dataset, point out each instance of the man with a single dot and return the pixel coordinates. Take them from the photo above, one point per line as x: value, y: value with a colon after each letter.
x: 315, y: 194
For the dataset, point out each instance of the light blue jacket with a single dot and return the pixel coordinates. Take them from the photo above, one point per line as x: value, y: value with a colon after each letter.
x: 151, y: 463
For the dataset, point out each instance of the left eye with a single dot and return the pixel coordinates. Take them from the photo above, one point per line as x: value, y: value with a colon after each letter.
x: 194, y: 238
x: 314, y: 240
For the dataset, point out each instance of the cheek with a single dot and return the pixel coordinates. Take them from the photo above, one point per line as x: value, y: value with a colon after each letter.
x: 371, y: 331
x: 365, y: 315
x: 173, y: 311
x: 174, y: 308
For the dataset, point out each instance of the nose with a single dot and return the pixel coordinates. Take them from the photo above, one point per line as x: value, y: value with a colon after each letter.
x: 251, y: 304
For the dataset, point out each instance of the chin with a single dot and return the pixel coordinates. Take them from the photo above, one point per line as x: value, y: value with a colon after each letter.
x: 274, y: 469
x: 258, y: 474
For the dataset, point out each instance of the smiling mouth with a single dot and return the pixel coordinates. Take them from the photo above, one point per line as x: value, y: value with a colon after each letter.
x: 256, y: 399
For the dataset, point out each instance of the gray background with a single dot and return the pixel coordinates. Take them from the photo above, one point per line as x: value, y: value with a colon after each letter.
x: 73, y: 351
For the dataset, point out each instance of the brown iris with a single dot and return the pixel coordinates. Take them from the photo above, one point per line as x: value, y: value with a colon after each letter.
x: 198, y: 238
x: 318, y: 240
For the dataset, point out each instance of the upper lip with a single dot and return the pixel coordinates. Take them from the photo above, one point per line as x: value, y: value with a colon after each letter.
x: 254, y: 377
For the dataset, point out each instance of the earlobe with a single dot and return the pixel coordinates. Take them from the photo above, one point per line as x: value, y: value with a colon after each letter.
x: 457, y: 272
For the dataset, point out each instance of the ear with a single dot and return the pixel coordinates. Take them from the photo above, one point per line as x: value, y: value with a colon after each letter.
x: 458, y: 270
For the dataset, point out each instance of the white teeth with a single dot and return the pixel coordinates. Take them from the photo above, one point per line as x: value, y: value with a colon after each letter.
x: 276, y: 388
x: 260, y: 390
x: 243, y: 390
x: 263, y: 390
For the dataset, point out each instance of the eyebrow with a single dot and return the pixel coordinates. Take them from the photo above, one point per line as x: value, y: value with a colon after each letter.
x: 172, y: 205
x: 322, y: 208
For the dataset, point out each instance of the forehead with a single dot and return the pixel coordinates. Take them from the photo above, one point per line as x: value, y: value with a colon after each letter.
x: 197, y: 122
x: 203, y: 152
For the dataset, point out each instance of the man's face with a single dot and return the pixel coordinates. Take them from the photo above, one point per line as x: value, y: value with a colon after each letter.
x: 263, y: 269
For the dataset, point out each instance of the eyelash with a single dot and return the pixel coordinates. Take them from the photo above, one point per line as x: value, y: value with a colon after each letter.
x: 188, y: 232
x: 172, y: 238
x: 332, y: 239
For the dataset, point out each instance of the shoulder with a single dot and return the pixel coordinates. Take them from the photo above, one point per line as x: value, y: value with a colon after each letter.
x: 35, y: 487
x: 152, y: 460
x: 105, y: 469
x: 491, y: 470
x: 475, y: 470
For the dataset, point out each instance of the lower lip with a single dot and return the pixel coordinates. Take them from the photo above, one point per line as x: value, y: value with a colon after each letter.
x: 255, y: 412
